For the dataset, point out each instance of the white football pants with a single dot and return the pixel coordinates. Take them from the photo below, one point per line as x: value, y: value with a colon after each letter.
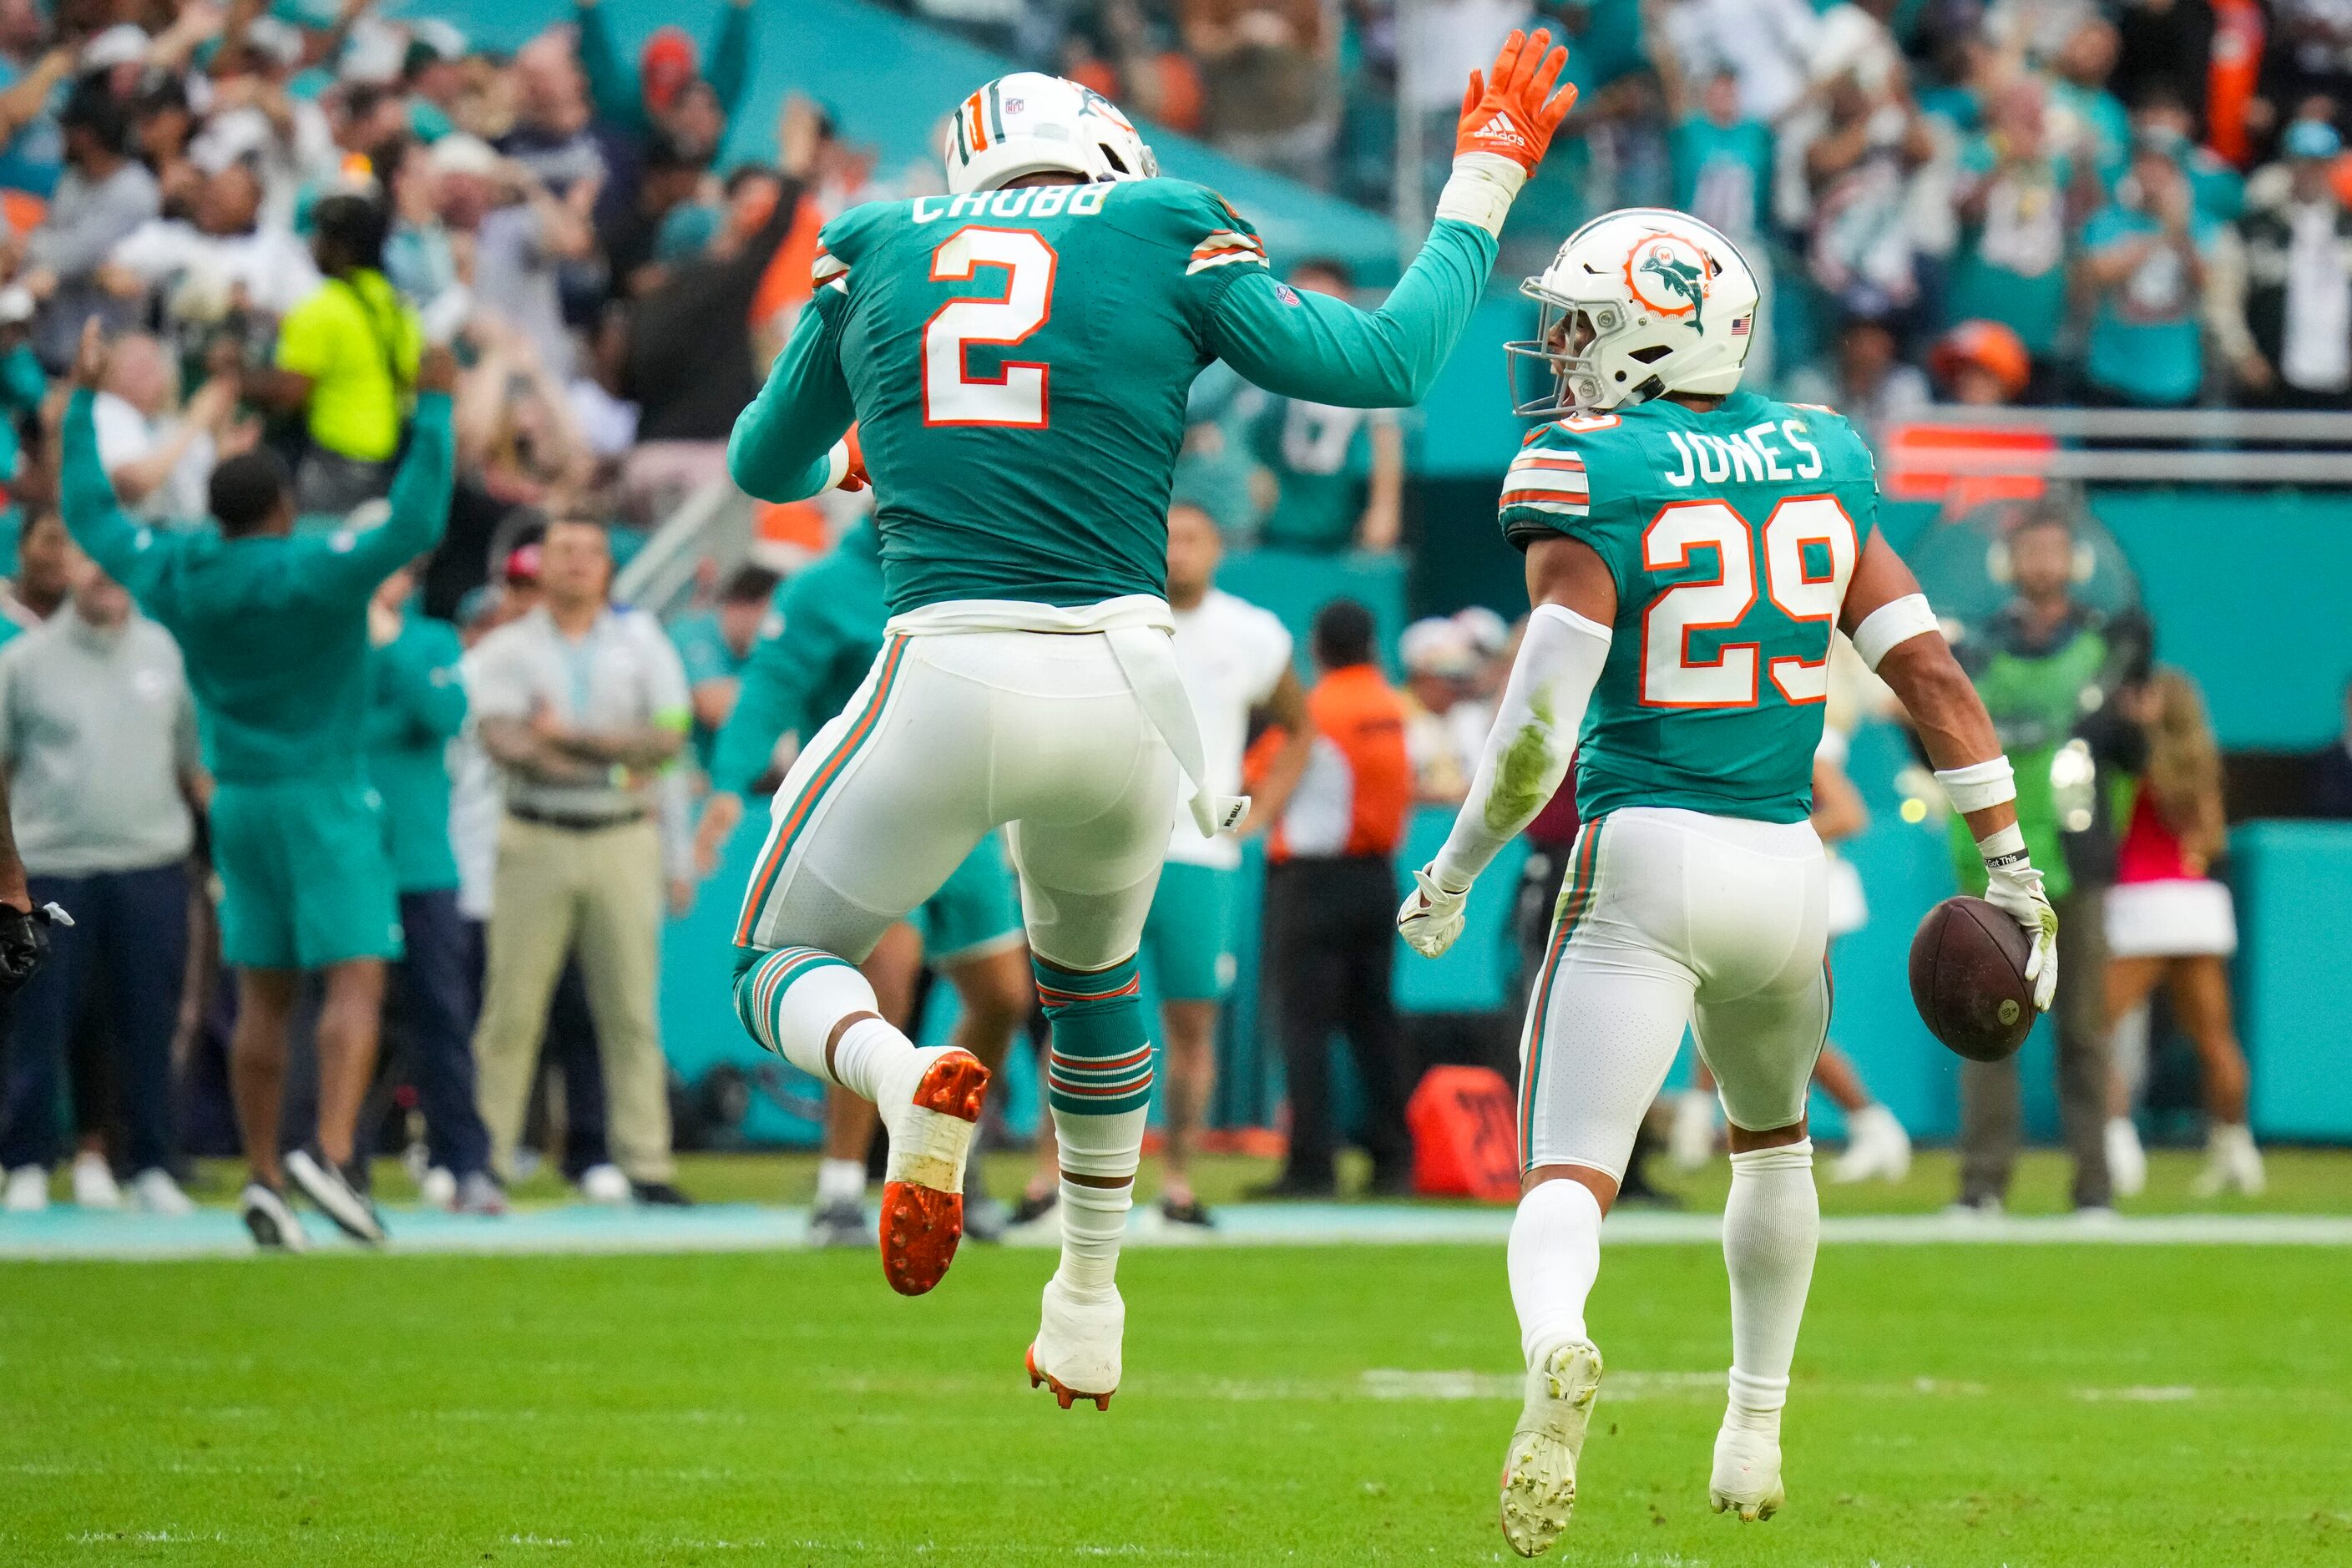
x: 1671, y: 918
x: 952, y: 735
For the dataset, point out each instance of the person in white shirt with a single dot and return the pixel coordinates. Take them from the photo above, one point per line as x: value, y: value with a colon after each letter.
x: 226, y: 258
x: 1236, y: 660
x: 157, y: 461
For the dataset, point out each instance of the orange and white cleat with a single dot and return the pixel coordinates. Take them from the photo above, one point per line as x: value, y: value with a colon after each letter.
x: 922, y: 1186
x: 1075, y: 1352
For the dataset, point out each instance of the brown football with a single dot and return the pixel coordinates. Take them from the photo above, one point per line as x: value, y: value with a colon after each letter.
x: 1968, y: 979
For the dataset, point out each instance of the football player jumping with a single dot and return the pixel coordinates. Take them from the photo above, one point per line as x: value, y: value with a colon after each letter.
x: 1015, y: 355
x: 1689, y: 547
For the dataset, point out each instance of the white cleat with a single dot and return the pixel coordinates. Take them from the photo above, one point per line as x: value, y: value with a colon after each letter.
x: 154, y: 1191
x: 2232, y: 1163
x: 1690, y: 1138
x: 28, y: 1189
x: 1539, y: 1466
x: 94, y: 1186
x: 1075, y: 1352
x: 1747, y: 1478
x: 2127, y: 1161
x: 1877, y: 1148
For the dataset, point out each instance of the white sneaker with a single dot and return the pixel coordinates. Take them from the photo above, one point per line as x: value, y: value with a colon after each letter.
x: 1690, y: 1139
x: 2232, y: 1163
x: 605, y: 1184
x: 153, y: 1190
x: 931, y: 1107
x: 1075, y: 1352
x: 28, y: 1189
x: 1747, y: 1478
x: 1876, y: 1147
x: 93, y: 1182
x: 1539, y: 1466
x: 2126, y: 1159
x: 438, y: 1188
x: 269, y: 1218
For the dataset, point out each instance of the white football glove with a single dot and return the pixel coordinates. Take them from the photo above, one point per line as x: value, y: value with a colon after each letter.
x: 2016, y: 891
x: 1431, y: 915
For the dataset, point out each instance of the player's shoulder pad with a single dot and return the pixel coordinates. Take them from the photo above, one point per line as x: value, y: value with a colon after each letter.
x: 1842, y: 447
x: 1194, y: 217
x: 1551, y: 476
x: 853, y: 235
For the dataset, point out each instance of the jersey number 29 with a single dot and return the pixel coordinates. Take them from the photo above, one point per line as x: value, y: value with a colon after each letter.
x: 1671, y: 676
x: 1016, y: 396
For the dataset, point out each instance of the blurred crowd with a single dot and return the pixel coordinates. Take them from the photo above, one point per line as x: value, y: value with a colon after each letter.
x: 2138, y: 202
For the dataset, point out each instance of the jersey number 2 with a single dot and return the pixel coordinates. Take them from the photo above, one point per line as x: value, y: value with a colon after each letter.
x: 1016, y: 396
x: 1671, y: 676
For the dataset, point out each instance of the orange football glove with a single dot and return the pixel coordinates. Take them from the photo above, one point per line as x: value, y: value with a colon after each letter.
x: 856, y: 478
x: 1511, y: 111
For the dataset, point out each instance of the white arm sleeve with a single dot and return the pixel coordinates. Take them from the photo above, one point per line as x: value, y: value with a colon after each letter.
x: 1534, y: 736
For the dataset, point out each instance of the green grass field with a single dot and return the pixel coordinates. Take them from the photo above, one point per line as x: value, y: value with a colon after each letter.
x: 1959, y: 1404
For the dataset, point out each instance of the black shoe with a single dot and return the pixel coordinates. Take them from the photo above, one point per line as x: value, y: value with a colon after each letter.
x: 1287, y: 1188
x: 660, y: 1194
x: 1192, y: 1211
x: 271, y: 1219
x: 1035, y: 1206
x: 336, y: 1195
x: 840, y: 1223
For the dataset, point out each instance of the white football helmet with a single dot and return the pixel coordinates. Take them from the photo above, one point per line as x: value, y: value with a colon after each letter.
x: 1638, y: 302
x: 1029, y: 122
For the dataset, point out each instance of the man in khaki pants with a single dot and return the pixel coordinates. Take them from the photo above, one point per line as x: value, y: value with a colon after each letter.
x: 581, y: 706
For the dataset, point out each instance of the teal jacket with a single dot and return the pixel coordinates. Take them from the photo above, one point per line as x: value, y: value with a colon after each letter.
x: 274, y: 626
x: 614, y: 82
x: 416, y: 705
x: 824, y: 631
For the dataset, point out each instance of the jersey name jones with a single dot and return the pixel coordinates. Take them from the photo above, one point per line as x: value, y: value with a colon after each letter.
x: 1748, y: 455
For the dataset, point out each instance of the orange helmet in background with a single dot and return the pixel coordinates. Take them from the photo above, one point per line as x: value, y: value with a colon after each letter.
x: 1989, y: 345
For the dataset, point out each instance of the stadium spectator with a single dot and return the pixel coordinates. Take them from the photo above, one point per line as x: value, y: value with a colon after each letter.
x: 2032, y: 665
x: 518, y: 437
x: 98, y: 737
x: 2144, y: 265
x: 1338, y: 473
x: 714, y: 646
x: 274, y: 631
x: 518, y: 235
x: 416, y: 707
x: 1330, y: 899
x: 1722, y: 155
x: 552, y: 134
x: 582, y: 706
x: 2288, y: 329
x: 1269, y: 78
x: 1853, y: 155
x: 1121, y: 53
x: 347, y: 360
x: 159, y: 457
x: 1869, y: 382
x: 2015, y: 200
x: 43, y: 557
x: 1767, y: 47
x: 218, y: 261
x: 103, y: 195
x: 660, y: 91
x: 32, y: 143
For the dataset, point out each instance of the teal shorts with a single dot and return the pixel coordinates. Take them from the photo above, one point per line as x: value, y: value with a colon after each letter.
x: 305, y: 878
x: 1188, y: 937
x: 977, y: 909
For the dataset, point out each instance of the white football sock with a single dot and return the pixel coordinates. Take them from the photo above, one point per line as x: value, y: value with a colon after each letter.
x: 840, y: 1181
x: 795, y: 997
x: 1771, y: 1227
x: 1555, y: 1256
x: 1095, y: 1218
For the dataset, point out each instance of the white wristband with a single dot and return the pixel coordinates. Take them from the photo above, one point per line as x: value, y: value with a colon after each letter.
x: 1897, y: 621
x: 1979, y: 785
x: 1481, y: 190
x: 2003, y: 849
x: 836, y: 465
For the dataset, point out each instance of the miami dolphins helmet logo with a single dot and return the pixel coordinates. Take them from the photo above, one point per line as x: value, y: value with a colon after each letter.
x: 1669, y: 275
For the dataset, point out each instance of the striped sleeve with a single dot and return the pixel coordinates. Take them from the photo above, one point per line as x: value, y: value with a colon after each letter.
x: 1546, y: 480
x: 1226, y: 247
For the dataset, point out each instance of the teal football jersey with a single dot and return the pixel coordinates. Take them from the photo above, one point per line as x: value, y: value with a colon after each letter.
x: 1017, y: 364
x: 1731, y: 535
